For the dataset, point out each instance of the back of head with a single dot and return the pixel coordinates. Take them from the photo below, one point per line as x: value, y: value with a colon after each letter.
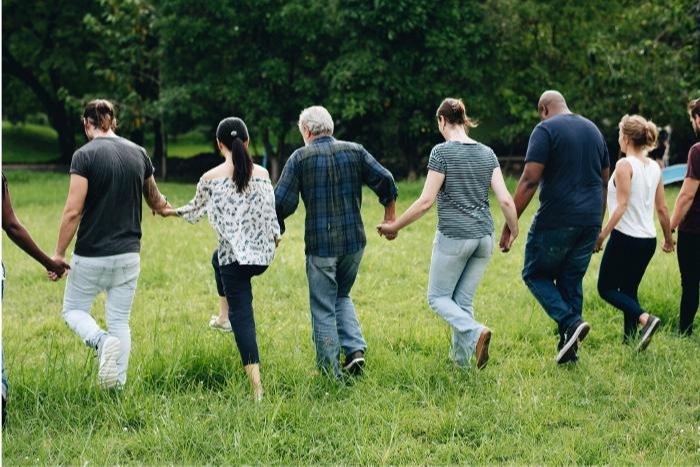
x: 317, y: 120
x: 232, y: 132
x: 100, y: 114
x: 552, y: 103
x: 642, y: 133
x: 694, y: 108
x: 454, y: 112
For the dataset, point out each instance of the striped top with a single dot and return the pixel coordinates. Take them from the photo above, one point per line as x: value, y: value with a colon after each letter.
x: 463, y: 200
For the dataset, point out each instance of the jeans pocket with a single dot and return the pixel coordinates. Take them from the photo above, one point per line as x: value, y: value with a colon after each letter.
x: 448, y: 246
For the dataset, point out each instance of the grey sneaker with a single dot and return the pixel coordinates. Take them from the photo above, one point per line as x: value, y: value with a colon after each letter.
x: 572, y: 337
x: 647, y: 332
x: 108, y: 352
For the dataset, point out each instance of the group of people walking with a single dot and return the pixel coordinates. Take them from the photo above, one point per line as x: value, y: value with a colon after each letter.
x: 567, y: 158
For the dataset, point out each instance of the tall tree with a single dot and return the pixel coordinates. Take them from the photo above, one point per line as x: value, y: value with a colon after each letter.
x: 127, y: 61
x: 43, y: 46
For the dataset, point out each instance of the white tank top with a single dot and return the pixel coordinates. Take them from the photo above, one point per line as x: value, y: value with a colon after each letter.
x: 638, y: 219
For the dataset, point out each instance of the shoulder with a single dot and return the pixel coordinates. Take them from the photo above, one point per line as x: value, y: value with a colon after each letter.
x: 220, y: 171
x: 260, y: 172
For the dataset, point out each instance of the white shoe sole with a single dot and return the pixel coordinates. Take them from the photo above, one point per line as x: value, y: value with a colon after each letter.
x: 108, y: 374
x: 646, y: 338
x: 579, y: 334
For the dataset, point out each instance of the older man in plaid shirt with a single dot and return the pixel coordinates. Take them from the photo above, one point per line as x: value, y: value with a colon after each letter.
x: 329, y: 174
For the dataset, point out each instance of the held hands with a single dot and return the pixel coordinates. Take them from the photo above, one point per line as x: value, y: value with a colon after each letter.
x: 386, y: 230
x: 507, y: 239
x: 58, y: 269
x: 669, y: 245
x: 599, y: 243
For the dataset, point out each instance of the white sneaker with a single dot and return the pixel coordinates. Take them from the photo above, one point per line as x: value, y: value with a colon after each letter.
x: 214, y: 323
x: 108, y: 375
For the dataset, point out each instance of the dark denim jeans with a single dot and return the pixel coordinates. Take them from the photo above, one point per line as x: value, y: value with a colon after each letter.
x: 689, y: 264
x: 555, y: 263
x: 621, y: 270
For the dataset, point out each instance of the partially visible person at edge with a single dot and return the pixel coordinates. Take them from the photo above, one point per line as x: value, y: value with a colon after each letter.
x: 329, y: 175
x: 460, y: 172
x: 238, y: 198
x: 22, y: 238
x: 634, y: 190
x: 568, y: 159
x: 109, y: 176
x: 660, y: 152
x: 686, y: 218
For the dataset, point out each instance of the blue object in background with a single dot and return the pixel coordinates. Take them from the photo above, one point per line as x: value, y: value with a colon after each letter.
x: 674, y: 173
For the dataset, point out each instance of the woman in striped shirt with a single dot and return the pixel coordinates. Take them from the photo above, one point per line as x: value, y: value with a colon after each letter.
x: 460, y: 172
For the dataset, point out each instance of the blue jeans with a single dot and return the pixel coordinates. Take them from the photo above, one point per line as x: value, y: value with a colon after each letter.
x: 621, y: 270
x: 555, y: 263
x: 333, y: 318
x: 117, y: 275
x: 456, y: 268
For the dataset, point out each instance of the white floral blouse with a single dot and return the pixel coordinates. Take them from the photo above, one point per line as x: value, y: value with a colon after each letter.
x: 245, y: 223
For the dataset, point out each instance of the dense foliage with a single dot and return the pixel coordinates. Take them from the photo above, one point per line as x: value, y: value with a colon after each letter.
x: 380, y: 66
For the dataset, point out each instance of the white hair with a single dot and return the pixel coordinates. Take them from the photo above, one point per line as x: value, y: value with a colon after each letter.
x: 317, y: 120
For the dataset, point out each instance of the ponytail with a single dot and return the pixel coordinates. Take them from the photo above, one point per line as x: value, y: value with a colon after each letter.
x: 233, y: 133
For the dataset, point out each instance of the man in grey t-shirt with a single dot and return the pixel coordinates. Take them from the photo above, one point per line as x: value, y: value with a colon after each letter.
x: 109, y: 177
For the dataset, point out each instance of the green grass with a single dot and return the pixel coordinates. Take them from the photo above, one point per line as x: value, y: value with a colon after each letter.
x: 36, y: 144
x: 28, y: 144
x: 187, y: 399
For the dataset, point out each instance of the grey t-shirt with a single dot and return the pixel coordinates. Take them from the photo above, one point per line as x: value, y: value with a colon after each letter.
x: 463, y: 200
x: 115, y: 169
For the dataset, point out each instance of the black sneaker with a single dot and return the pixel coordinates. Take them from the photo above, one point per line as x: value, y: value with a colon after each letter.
x: 647, y: 332
x: 572, y: 337
x: 354, y: 362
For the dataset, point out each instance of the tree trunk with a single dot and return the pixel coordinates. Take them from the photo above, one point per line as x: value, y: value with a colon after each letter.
x: 55, y: 108
x: 160, y: 149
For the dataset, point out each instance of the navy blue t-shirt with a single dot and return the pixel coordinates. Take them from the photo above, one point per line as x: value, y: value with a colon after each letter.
x: 574, y: 154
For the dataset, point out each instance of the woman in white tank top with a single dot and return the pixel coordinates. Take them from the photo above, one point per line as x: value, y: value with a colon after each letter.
x: 634, y: 191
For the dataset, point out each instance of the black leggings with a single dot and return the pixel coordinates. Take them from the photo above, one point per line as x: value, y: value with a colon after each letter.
x: 689, y: 264
x: 217, y: 274
x: 239, y: 293
x: 621, y: 270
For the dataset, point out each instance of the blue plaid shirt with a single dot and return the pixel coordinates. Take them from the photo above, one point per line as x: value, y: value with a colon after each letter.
x: 329, y: 175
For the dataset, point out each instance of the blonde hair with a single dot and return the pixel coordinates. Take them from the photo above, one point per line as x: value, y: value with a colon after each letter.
x: 640, y: 131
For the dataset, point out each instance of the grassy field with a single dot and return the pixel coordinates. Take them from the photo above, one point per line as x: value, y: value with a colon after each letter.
x: 187, y: 399
x: 36, y: 144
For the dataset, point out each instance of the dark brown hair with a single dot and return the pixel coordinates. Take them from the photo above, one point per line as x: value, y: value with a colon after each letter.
x: 232, y: 132
x: 100, y: 113
x: 455, y: 113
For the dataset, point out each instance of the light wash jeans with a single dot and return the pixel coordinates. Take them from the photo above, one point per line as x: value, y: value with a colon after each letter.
x: 456, y: 268
x: 333, y: 318
x: 117, y: 275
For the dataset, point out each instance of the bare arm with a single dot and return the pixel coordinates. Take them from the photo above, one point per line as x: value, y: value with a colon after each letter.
x: 21, y: 237
x: 662, y: 212
x: 505, y: 200
x: 685, y: 198
x: 72, y: 212
x: 433, y: 183
x: 623, y: 182
x: 154, y: 198
x: 526, y: 189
